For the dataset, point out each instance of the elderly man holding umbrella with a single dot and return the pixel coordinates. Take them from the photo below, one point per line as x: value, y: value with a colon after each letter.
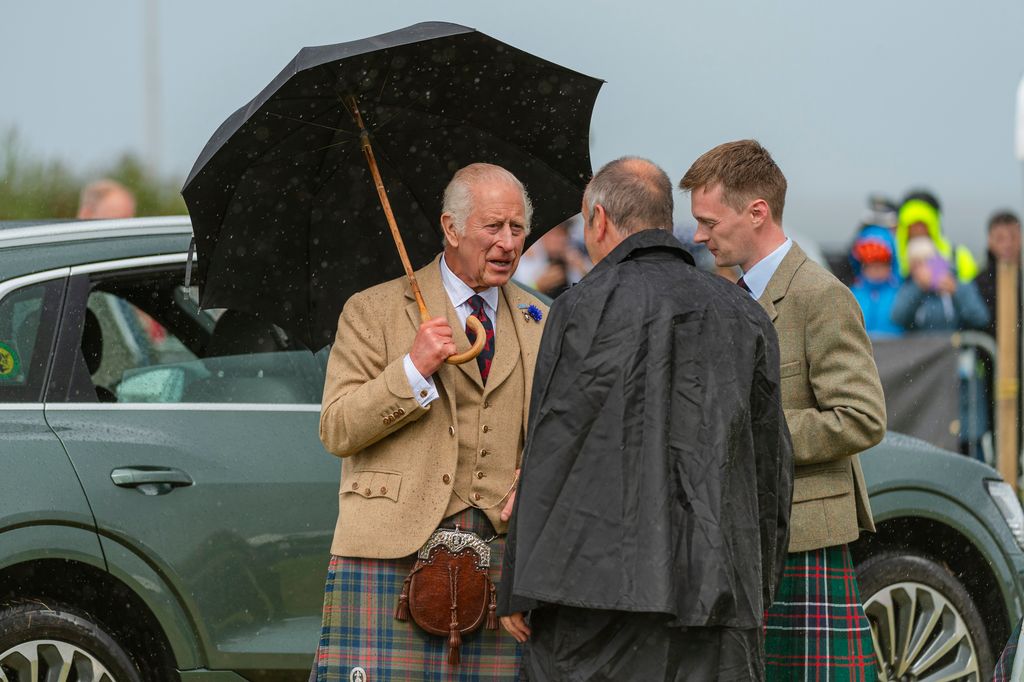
x: 427, y: 444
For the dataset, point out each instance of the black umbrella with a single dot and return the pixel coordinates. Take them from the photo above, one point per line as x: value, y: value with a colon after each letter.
x: 287, y: 218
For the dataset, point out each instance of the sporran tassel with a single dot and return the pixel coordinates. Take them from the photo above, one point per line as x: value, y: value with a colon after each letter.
x: 402, y: 612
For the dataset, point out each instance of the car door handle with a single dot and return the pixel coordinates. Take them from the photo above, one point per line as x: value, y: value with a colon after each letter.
x: 150, y: 480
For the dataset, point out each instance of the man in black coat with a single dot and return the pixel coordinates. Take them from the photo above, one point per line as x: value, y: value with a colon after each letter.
x: 651, y: 523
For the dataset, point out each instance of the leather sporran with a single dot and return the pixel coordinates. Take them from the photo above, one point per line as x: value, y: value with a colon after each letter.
x: 448, y: 591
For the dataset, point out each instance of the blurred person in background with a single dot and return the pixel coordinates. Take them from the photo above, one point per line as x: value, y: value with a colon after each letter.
x: 106, y: 199
x: 554, y: 263
x: 921, y: 216
x: 932, y: 300
x: 876, y: 285
x: 1003, y: 247
x: 879, y: 220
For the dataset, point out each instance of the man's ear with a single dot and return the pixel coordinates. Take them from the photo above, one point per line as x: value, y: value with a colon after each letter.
x: 599, y: 222
x: 759, y: 212
x: 451, y: 235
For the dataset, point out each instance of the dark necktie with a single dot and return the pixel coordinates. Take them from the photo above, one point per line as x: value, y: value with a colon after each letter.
x: 743, y: 285
x: 483, y: 361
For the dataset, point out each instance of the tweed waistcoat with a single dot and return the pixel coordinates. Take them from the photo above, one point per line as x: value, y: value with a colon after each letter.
x: 489, y: 452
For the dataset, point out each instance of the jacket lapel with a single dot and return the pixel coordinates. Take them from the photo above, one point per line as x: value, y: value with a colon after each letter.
x: 779, y: 283
x: 528, y: 333
x: 437, y: 302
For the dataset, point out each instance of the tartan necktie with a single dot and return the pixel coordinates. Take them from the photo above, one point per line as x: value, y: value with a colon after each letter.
x: 483, y: 361
x: 743, y: 285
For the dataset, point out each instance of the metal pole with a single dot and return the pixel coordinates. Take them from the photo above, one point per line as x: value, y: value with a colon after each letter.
x: 151, y: 85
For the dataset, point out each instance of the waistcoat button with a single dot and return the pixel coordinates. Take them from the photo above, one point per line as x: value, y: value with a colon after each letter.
x: 446, y: 478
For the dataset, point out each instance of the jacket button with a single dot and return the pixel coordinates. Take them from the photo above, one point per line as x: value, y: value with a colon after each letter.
x: 355, y: 486
x: 484, y: 452
x: 451, y: 430
x: 447, y: 479
x: 367, y: 491
x: 478, y: 497
x: 487, y: 405
x: 486, y: 428
x: 395, y: 416
x: 479, y: 474
x: 383, y: 491
x: 387, y: 420
x: 401, y: 411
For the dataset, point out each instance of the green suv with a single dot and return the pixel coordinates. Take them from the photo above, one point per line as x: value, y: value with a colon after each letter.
x: 166, y: 508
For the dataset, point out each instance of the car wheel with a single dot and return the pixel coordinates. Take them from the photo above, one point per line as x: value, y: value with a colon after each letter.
x: 923, y: 622
x: 41, y: 642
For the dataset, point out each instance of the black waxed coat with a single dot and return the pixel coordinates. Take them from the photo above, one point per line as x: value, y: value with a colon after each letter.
x: 657, y: 474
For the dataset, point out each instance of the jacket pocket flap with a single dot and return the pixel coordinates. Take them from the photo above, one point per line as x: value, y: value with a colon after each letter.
x: 822, y: 484
x: 373, y: 483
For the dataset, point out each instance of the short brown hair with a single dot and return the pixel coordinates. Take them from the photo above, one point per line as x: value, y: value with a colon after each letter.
x: 1004, y: 217
x: 745, y: 170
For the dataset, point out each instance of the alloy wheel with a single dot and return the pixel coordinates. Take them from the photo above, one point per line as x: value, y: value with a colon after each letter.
x: 919, y: 636
x: 47, y: 660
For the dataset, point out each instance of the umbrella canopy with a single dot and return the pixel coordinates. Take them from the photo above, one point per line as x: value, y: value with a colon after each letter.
x: 287, y: 220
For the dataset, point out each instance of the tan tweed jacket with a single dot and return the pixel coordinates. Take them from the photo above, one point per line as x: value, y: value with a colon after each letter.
x: 399, y: 458
x: 832, y: 399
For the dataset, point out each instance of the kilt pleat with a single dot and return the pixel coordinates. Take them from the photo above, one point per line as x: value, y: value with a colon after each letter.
x: 1004, y: 666
x: 817, y: 629
x: 359, y: 627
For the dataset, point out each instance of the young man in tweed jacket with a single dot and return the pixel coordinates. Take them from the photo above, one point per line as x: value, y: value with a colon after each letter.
x: 833, y: 402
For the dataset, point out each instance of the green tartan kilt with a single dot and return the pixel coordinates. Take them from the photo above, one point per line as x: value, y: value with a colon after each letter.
x: 817, y: 629
x: 360, y: 631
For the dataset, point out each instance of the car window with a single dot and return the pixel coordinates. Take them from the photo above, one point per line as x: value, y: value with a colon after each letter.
x: 145, y: 340
x: 28, y: 317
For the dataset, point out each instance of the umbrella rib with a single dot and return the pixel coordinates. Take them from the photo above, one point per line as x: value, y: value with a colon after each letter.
x: 298, y: 154
x: 312, y: 123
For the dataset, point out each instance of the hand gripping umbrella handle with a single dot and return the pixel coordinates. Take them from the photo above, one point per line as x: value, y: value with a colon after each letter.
x: 371, y: 161
x: 477, y: 328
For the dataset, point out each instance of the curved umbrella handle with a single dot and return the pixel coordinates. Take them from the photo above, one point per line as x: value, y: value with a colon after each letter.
x: 478, y: 345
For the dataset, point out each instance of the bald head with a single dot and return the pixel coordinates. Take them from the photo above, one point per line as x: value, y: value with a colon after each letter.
x: 106, y: 199
x: 636, y: 195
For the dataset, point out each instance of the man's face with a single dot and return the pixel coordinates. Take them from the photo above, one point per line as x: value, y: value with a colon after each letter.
x: 488, y: 250
x: 728, y: 235
x: 1004, y: 242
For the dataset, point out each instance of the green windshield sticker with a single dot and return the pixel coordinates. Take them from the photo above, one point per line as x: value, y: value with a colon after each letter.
x: 9, y: 364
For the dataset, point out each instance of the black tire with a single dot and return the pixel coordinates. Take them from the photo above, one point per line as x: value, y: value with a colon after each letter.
x: 915, y: 585
x: 28, y: 627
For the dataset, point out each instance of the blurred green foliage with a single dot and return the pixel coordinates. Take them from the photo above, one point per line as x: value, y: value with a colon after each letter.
x: 32, y: 187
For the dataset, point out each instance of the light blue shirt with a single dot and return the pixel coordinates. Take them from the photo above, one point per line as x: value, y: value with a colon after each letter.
x: 760, y: 274
x: 459, y: 294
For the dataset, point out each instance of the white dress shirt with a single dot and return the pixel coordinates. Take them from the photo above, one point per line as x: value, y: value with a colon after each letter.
x: 760, y: 274
x: 459, y: 294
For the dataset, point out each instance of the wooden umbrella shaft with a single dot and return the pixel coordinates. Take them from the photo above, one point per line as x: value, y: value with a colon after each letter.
x: 474, y: 324
x: 371, y: 161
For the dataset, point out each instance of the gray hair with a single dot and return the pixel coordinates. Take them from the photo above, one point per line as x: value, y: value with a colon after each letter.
x: 636, y: 195
x: 458, y: 195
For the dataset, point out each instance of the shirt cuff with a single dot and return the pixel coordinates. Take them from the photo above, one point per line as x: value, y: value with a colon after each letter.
x: 422, y: 389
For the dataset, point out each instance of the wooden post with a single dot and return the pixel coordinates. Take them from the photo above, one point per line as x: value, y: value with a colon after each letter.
x: 1007, y: 388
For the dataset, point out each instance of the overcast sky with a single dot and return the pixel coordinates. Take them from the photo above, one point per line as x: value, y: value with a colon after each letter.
x: 850, y: 98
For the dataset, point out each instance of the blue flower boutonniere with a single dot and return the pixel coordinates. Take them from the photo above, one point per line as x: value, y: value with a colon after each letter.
x: 531, y: 312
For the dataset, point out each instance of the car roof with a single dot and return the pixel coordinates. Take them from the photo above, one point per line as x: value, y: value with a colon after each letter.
x: 27, y: 247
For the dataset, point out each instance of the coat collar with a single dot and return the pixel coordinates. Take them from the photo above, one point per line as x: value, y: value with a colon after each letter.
x: 644, y: 240
x: 779, y: 283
